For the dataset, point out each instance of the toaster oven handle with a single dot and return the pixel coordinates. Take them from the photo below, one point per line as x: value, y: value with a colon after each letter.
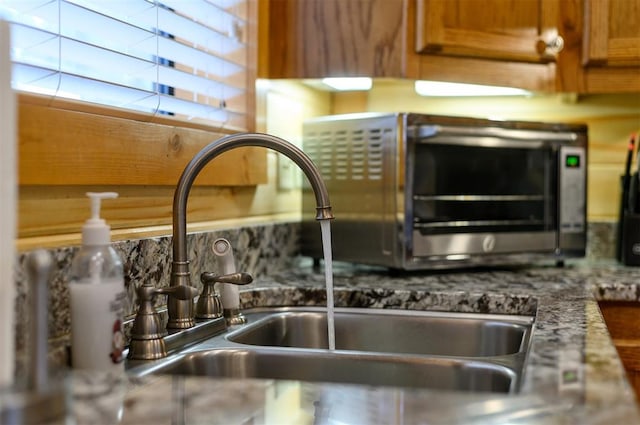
x: 492, y: 136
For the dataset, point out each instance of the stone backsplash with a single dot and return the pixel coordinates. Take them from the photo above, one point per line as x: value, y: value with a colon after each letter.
x: 259, y: 250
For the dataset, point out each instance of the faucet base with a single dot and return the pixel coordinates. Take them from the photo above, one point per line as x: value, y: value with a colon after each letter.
x: 234, y: 316
x: 181, y: 323
x: 147, y: 349
x: 181, y: 314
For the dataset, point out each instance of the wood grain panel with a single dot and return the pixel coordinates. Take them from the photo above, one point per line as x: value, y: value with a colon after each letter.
x: 473, y: 29
x: 611, y: 32
x: 622, y: 318
x: 596, y: 31
x: 323, y: 38
x: 598, y: 57
x: 612, y: 80
x: 623, y: 322
x: 529, y: 76
x: 53, y: 216
x: 61, y: 147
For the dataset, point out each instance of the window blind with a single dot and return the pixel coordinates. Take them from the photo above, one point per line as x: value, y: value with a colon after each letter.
x: 186, y: 59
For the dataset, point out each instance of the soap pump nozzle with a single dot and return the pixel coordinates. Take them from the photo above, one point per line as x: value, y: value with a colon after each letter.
x: 95, y: 230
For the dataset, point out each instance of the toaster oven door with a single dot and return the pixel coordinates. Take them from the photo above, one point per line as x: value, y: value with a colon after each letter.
x: 482, y: 194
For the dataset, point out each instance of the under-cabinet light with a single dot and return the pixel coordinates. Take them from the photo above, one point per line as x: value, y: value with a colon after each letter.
x: 439, y: 88
x: 348, y: 83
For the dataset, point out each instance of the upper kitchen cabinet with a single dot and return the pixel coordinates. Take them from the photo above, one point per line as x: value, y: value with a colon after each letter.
x: 611, y: 33
x: 377, y: 38
x: 513, y: 30
x: 323, y: 38
x: 581, y: 46
x: 495, y: 42
x: 603, y: 40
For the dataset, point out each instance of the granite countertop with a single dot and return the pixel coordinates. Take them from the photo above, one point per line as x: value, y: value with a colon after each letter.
x: 569, y: 335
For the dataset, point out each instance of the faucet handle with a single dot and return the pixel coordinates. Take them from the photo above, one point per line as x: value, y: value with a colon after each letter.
x: 209, y: 305
x: 147, y: 334
x: 239, y: 278
x: 181, y: 292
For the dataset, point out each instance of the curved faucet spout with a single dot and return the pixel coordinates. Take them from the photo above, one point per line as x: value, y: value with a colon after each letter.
x: 180, y: 312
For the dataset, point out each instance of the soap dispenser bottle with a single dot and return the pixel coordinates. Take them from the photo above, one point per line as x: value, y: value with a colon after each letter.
x: 97, y: 297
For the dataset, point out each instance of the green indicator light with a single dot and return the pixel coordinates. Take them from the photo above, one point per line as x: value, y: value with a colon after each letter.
x: 572, y: 161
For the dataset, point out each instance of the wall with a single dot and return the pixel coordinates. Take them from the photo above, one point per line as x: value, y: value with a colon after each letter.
x: 282, y: 108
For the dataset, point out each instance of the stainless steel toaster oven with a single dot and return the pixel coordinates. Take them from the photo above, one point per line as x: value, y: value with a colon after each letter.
x: 414, y: 191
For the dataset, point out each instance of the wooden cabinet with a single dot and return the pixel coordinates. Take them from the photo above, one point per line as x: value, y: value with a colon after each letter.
x: 623, y: 321
x: 514, y: 30
x: 496, y: 42
x: 324, y: 38
x: 611, y: 33
x: 582, y: 46
x: 376, y: 38
x: 602, y: 46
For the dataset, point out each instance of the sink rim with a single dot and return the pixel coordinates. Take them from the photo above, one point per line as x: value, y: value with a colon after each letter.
x: 515, y: 363
x: 259, y: 317
x: 518, y: 319
x: 165, y: 366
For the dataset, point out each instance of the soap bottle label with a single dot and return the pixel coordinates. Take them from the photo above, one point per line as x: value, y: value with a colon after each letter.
x: 96, y: 324
x: 117, y: 338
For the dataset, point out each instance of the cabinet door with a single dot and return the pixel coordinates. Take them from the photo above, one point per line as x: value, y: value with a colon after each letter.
x: 513, y: 30
x: 602, y: 46
x: 611, y: 33
x: 334, y: 38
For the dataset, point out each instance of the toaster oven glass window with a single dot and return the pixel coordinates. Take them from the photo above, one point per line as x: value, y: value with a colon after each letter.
x: 463, y: 189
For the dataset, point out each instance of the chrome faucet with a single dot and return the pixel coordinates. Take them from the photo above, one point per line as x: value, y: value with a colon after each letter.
x: 181, y: 312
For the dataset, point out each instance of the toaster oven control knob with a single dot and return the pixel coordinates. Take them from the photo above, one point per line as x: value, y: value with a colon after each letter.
x: 488, y: 243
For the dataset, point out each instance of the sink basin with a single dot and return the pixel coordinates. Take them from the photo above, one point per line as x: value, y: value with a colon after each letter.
x: 391, y: 331
x: 400, y: 348
x: 306, y: 365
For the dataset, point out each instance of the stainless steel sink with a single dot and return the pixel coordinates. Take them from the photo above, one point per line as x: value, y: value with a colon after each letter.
x: 391, y: 331
x: 365, y: 369
x: 443, y: 351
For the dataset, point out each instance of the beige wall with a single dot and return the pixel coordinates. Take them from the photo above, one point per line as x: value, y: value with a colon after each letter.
x: 611, y: 119
x: 282, y: 108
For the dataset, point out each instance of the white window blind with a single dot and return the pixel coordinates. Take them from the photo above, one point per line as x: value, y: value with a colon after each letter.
x: 186, y: 59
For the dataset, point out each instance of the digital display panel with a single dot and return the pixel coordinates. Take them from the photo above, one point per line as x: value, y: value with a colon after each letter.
x: 572, y: 161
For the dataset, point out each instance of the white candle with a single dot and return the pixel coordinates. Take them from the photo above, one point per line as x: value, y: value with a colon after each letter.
x: 8, y: 193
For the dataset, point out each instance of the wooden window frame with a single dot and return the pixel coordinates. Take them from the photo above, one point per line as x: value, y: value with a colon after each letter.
x: 66, y: 149
x: 77, y: 144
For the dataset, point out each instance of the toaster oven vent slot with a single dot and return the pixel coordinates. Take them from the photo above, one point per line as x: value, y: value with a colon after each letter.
x: 374, y: 153
x: 341, y: 156
x: 348, y: 155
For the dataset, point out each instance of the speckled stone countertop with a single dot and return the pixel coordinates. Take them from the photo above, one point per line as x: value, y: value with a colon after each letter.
x: 569, y: 335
